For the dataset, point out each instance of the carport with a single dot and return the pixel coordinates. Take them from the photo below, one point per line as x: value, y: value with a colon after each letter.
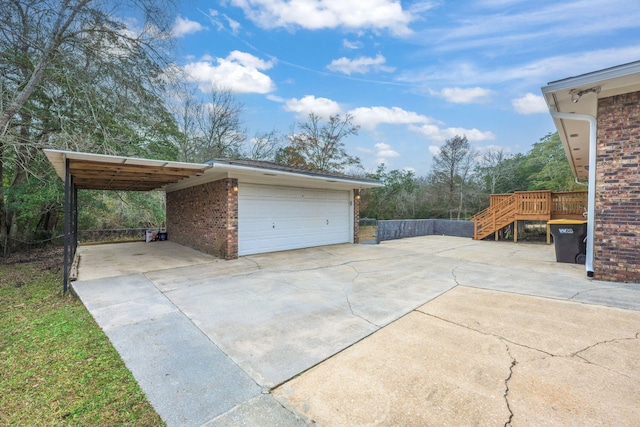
x: 83, y: 171
x: 225, y: 208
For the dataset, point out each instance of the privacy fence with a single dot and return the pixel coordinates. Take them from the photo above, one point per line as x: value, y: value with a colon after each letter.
x: 403, y: 228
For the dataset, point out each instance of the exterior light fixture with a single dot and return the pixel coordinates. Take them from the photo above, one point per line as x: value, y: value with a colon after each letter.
x: 235, y: 188
x: 576, y: 95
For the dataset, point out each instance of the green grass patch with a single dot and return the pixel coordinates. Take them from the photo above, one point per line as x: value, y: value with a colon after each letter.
x: 57, y: 367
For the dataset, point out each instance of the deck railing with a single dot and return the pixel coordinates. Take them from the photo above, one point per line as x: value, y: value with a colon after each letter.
x: 505, y: 209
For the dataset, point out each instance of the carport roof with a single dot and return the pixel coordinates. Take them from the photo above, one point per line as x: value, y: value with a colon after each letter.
x: 104, y: 172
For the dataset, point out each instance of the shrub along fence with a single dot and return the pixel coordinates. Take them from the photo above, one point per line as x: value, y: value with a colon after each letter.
x: 402, y: 228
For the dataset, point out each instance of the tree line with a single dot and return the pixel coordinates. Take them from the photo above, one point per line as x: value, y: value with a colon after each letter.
x: 462, y: 178
x: 77, y: 75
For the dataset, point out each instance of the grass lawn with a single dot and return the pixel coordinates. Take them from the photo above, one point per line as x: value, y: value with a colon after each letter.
x: 56, y: 365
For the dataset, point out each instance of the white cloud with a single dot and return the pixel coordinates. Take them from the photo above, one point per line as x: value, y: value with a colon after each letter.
x: 536, y: 72
x: 434, y: 150
x: 458, y: 95
x: 361, y: 65
x: 239, y: 72
x: 322, y: 107
x: 531, y: 23
x: 320, y: 14
x: 384, y: 152
x: 438, y: 134
x: 530, y: 104
x: 184, y: 26
x: 370, y: 117
x: 234, y: 26
x: 276, y: 98
x: 348, y: 44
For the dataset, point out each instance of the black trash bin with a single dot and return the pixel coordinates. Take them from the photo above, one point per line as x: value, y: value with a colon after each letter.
x: 569, y: 237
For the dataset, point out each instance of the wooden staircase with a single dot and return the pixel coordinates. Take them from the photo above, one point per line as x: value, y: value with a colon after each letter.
x: 505, y: 209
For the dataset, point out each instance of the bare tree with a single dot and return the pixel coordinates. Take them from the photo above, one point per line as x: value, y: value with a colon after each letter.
x: 320, y: 145
x: 264, y: 146
x: 452, y: 168
x: 220, y: 126
x: 187, y: 110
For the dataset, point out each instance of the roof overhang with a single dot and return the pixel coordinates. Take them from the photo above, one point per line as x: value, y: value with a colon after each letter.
x: 579, y: 95
x: 103, y: 172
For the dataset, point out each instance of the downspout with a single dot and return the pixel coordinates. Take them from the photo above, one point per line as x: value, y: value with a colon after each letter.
x: 591, y: 197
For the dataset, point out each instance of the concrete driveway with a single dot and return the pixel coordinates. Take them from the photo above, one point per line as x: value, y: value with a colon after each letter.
x: 424, y: 331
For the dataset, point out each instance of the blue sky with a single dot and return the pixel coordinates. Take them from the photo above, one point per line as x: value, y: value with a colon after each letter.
x: 412, y: 73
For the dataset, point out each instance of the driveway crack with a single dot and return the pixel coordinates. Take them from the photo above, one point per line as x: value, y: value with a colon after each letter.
x: 514, y: 362
x: 346, y: 297
x: 455, y: 278
x: 615, y: 340
x: 506, y: 340
x: 635, y: 337
x: 588, y: 290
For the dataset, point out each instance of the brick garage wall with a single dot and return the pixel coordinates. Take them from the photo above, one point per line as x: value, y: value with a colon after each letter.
x: 205, y: 217
x: 617, y: 222
x: 356, y: 216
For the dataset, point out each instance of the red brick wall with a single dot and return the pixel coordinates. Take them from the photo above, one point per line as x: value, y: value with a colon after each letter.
x: 617, y: 222
x: 205, y: 217
x: 356, y: 216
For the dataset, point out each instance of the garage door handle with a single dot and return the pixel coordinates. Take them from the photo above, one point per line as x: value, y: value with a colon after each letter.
x: 327, y: 222
x: 273, y: 225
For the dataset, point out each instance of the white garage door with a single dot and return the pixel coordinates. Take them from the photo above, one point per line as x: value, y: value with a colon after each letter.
x: 280, y: 218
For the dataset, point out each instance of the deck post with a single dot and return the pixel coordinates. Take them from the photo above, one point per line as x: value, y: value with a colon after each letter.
x: 515, y: 231
x: 548, y: 234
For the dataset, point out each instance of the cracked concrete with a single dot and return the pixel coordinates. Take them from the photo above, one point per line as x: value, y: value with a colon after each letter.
x: 478, y: 357
x: 514, y: 362
x: 424, y: 331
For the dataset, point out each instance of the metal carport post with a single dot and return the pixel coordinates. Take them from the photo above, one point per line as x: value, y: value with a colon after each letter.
x: 70, y: 223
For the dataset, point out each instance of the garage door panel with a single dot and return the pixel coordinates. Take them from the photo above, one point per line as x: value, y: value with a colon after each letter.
x: 280, y: 218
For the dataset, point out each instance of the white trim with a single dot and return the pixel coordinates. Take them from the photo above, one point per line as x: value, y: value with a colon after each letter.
x: 591, y: 195
x: 595, y: 77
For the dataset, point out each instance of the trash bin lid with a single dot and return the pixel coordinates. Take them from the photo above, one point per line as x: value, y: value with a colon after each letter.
x: 567, y: 221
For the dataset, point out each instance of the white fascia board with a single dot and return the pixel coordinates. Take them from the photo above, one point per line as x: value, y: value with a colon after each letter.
x: 593, y: 78
x: 245, y: 169
x: 266, y: 176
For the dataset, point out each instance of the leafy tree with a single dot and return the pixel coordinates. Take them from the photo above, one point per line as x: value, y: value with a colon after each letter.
x: 320, y: 145
x: 74, y: 76
x: 549, y: 166
x: 396, y: 200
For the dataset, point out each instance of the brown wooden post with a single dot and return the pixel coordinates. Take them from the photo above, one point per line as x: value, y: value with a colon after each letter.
x: 515, y: 231
x: 548, y: 234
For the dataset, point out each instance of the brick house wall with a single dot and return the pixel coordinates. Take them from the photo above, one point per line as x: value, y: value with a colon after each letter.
x: 617, y: 210
x: 356, y: 216
x: 205, y: 217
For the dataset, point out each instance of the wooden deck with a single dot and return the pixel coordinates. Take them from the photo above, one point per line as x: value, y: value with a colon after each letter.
x: 505, y: 209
